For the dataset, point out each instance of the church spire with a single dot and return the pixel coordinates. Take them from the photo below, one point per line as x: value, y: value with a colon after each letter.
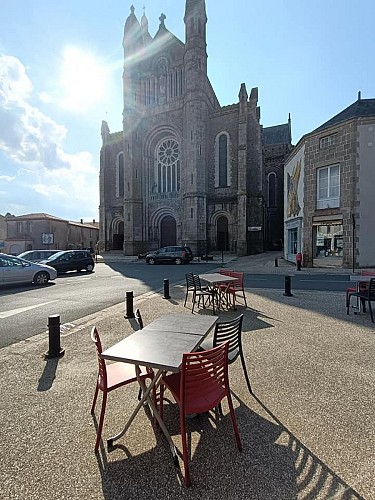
x: 195, y: 21
x: 132, y: 32
x: 144, y: 27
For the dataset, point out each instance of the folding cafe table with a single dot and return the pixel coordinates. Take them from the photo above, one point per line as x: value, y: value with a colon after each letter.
x: 160, y: 346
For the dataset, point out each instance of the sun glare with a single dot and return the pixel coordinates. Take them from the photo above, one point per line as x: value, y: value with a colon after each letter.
x: 83, y: 80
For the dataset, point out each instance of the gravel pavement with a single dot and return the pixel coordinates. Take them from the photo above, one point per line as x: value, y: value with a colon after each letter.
x: 307, y: 433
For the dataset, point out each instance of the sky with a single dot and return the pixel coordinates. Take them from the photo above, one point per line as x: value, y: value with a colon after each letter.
x: 61, y: 75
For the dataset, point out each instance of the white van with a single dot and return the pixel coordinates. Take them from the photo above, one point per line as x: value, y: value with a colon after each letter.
x: 37, y: 255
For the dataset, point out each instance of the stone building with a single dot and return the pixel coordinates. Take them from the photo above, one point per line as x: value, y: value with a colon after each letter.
x: 329, y: 179
x: 43, y: 231
x: 185, y: 170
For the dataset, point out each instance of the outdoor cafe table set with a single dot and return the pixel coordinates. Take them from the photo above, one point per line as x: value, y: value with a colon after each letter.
x: 159, y: 346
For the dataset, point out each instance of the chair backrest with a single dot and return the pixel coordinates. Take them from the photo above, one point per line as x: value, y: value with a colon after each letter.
x: 239, y: 283
x: 229, y: 331
x: 226, y: 272
x: 204, y: 379
x: 138, y: 318
x: 102, y: 375
x: 190, y: 285
x: 197, y: 282
x: 371, y: 288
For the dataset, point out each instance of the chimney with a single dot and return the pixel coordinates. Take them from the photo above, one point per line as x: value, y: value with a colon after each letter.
x: 81, y: 221
x: 359, y: 95
x: 93, y: 222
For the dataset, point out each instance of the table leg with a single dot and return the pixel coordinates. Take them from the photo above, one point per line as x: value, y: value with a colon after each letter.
x: 146, y: 391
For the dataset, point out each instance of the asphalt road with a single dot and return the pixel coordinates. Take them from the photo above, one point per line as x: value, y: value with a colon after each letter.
x: 24, y: 310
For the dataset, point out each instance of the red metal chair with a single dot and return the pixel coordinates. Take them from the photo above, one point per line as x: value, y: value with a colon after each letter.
x: 110, y: 377
x: 199, y: 387
x: 233, y: 288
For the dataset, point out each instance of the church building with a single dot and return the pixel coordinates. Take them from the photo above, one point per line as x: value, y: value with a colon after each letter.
x: 184, y: 169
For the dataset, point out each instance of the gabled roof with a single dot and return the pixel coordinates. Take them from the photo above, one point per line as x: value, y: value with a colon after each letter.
x: 359, y: 109
x: 278, y: 134
x: 36, y: 216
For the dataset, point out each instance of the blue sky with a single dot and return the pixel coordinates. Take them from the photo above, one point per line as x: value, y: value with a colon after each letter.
x: 61, y: 67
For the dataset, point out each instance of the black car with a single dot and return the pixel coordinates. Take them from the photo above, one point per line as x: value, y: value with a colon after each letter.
x: 71, y: 260
x: 172, y: 254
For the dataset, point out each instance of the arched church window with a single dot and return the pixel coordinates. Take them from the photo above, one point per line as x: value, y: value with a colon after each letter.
x: 222, y: 160
x: 272, y: 189
x: 120, y: 175
x: 168, y: 172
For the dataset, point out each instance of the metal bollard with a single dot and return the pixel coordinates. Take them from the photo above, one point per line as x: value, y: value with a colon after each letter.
x: 129, y: 312
x: 54, y: 348
x: 287, y: 292
x: 276, y: 263
x: 166, y: 289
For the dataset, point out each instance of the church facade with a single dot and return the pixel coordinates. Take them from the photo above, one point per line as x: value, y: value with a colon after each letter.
x: 184, y: 169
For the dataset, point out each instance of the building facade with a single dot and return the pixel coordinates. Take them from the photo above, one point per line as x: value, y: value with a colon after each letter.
x: 43, y: 231
x: 329, y: 201
x: 185, y: 170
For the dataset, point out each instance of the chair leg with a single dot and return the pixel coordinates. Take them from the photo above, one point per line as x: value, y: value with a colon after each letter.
x: 348, y: 303
x: 95, y: 397
x: 101, y: 420
x: 184, y: 450
x: 370, y: 309
x: 244, y: 297
x: 234, y: 422
x: 161, y: 401
x: 245, y: 372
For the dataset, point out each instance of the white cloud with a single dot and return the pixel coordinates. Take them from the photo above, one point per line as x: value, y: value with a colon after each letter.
x: 45, y: 97
x: 33, y: 144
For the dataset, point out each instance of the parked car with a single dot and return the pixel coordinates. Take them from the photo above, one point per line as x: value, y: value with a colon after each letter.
x: 71, y: 260
x: 37, y: 255
x: 14, y: 270
x: 172, y: 254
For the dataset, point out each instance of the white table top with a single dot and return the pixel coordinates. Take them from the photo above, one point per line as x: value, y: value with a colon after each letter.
x: 216, y: 278
x: 162, y: 346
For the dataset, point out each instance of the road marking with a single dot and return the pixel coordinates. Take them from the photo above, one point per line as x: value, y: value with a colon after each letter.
x: 323, y: 281
x: 13, y: 312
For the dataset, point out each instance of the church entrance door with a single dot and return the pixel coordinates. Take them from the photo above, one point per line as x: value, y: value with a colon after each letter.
x: 118, y: 237
x: 168, y: 231
x: 222, y: 233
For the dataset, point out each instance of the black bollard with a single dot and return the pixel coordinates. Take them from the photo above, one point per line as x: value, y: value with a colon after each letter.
x: 166, y: 289
x: 287, y: 292
x: 54, y: 348
x: 276, y: 263
x: 129, y: 313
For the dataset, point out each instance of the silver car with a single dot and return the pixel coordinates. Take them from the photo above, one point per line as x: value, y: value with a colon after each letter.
x: 14, y: 270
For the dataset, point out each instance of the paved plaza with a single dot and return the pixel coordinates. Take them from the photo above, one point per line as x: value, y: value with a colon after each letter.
x: 307, y: 433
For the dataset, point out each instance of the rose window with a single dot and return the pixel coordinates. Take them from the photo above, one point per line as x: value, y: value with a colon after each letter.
x: 168, y: 166
x: 168, y: 152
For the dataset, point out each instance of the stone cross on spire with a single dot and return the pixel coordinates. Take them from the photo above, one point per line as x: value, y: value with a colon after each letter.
x: 132, y: 9
x: 162, y: 19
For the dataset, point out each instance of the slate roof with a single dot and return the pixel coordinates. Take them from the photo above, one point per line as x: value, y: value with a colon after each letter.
x: 278, y: 134
x: 359, y: 109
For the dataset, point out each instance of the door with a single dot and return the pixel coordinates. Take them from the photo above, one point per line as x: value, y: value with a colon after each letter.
x: 222, y: 234
x: 168, y: 231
